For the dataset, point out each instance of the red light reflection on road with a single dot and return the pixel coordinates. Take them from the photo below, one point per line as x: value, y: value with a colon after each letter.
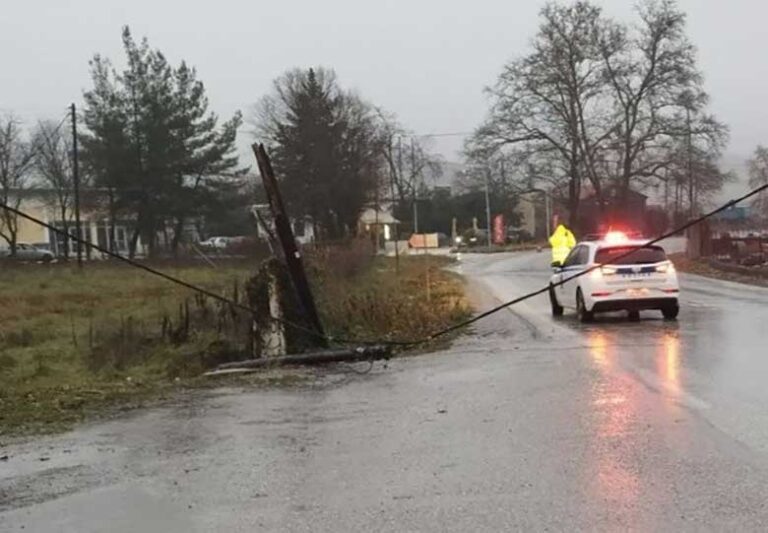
x: 598, y: 347
x: 613, y: 410
x: 668, y: 363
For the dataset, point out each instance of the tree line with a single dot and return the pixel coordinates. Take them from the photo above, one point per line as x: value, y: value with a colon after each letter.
x: 595, y: 107
x: 150, y: 148
x: 605, y: 107
x: 160, y: 159
x: 44, y: 154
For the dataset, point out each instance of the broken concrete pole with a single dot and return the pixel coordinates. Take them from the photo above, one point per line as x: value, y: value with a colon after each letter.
x: 273, y: 333
x: 270, y: 292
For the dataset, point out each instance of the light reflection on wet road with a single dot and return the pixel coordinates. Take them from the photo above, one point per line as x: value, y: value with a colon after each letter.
x: 710, y: 366
x: 713, y: 356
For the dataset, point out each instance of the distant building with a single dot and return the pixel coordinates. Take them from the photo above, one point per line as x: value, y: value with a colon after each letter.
x: 734, y: 214
x: 94, y: 223
x: 441, y: 190
x: 378, y: 222
x: 529, y: 209
x: 303, y: 227
x: 738, y: 221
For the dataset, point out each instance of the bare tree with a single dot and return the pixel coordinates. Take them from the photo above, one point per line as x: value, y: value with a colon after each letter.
x: 325, y: 147
x: 407, y: 158
x: 550, y: 103
x: 693, y: 162
x: 758, y: 175
x: 658, y: 94
x: 16, y: 160
x: 53, y: 163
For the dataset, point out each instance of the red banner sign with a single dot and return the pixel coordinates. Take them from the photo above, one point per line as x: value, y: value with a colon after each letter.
x: 499, y: 231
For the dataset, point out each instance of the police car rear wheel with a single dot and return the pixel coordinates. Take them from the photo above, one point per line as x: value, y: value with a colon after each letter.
x: 557, y: 309
x: 584, y: 315
x: 670, y: 312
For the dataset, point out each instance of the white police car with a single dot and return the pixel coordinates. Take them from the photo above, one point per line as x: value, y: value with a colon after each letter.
x: 645, y: 279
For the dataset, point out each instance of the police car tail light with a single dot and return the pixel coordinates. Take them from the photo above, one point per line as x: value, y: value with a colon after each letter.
x: 666, y: 268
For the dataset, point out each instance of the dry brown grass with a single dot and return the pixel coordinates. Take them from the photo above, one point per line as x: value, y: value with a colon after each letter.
x: 384, y: 303
x: 72, y: 342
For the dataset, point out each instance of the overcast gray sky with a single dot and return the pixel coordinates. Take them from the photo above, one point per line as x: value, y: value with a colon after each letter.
x: 426, y: 60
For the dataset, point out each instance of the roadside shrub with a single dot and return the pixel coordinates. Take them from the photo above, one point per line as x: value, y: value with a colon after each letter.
x: 251, y: 247
x: 198, y: 357
x: 420, y: 300
x: 341, y: 260
x: 118, y: 348
x: 7, y: 362
x: 18, y: 339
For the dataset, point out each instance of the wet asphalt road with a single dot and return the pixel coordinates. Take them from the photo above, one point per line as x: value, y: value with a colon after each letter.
x: 527, y: 423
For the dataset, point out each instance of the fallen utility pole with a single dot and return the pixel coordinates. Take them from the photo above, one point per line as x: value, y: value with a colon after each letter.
x: 288, y: 242
x: 366, y: 353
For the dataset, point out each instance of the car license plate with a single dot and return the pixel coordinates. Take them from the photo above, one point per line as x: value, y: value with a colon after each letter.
x: 637, y: 293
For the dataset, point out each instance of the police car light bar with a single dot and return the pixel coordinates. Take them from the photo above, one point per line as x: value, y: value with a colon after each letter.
x: 615, y: 237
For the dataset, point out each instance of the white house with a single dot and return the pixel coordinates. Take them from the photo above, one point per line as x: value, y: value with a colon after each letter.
x: 303, y: 228
x: 94, y: 223
x: 378, y: 222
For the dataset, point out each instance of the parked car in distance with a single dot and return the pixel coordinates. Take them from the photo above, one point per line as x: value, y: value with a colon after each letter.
x: 471, y: 238
x: 223, y: 244
x: 215, y: 243
x: 27, y: 252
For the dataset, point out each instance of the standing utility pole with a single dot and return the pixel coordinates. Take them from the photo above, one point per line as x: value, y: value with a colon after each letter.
x: 488, y: 205
x: 392, y: 205
x: 413, y: 184
x: 376, y: 225
x: 691, y: 194
x: 547, y: 208
x: 76, y: 183
x: 415, y: 216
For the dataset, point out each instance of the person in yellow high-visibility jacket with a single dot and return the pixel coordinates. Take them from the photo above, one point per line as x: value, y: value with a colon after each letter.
x: 562, y: 242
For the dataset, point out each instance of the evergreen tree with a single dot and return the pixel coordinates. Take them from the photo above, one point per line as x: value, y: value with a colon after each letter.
x: 153, y: 143
x: 326, y: 148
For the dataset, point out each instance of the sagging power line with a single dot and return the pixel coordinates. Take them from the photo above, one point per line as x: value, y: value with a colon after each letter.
x: 330, y: 339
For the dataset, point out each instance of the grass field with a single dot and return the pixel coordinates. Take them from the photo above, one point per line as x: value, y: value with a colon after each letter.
x: 72, y: 342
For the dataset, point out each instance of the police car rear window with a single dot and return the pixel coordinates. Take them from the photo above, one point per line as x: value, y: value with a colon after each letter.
x: 638, y: 256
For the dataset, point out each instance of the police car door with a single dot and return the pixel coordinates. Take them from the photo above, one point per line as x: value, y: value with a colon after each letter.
x: 573, y: 264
